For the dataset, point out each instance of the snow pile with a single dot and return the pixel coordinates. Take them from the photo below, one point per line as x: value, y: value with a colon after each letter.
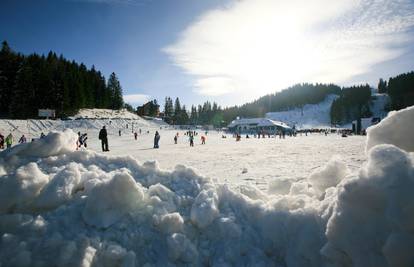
x: 311, y: 115
x: 328, y: 176
x: 89, y: 209
x: 373, y: 219
x: 397, y: 129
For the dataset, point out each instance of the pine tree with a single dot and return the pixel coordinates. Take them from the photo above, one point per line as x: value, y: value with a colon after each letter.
x: 116, y: 92
x: 168, y: 110
x: 23, y: 94
x: 177, y: 110
x: 10, y: 63
x: 184, y: 119
x: 382, y: 86
x: 193, y: 115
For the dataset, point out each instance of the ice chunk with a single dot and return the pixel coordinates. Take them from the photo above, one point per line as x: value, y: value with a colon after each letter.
x: 181, y: 248
x: 204, y: 209
x: 328, y: 176
x: 18, y: 190
x: 109, y: 201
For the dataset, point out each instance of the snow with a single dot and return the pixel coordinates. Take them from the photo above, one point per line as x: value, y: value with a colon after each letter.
x: 87, y: 113
x: 310, y: 116
x: 297, y: 205
x: 378, y: 105
x: 397, y: 129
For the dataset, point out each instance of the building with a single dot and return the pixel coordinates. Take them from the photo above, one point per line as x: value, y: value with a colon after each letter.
x: 150, y: 108
x: 255, y: 125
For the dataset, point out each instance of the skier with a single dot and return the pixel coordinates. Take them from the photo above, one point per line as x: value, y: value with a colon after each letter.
x: 103, y: 136
x: 203, y: 140
x: 136, y: 135
x: 176, y: 138
x: 9, y: 140
x: 22, y: 139
x: 1, y: 141
x: 119, y: 132
x: 191, y: 138
x: 238, y: 137
x: 156, y: 139
x: 42, y: 135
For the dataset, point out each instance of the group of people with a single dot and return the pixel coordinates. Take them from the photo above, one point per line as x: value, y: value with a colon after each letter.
x: 7, y: 142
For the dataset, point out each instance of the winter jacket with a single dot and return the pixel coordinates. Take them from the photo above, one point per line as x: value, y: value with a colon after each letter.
x: 103, y: 134
x: 9, y: 139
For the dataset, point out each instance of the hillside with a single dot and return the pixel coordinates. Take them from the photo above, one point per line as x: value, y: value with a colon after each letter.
x: 93, y: 113
x: 290, y: 98
x: 86, y: 120
x: 311, y: 115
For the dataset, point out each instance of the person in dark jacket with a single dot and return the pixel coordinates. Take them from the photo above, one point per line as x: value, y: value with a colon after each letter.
x: 22, y: 139
x: 156, y: 139
x: 103, y: 136
x: 1, y: 141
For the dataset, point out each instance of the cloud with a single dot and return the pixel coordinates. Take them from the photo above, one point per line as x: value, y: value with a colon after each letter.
x: 253, y: 47
x: 137, y: 99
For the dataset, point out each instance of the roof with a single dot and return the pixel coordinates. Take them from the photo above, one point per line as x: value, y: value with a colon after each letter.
x: 260, y: 122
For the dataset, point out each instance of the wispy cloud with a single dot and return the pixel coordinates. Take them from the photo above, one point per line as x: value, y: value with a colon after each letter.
x: 137, y: 99
x: 258, y: 46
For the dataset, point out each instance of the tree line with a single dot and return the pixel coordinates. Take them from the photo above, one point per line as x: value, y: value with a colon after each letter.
x: 352, y: 103
x: 400, y: 89
x: 32, y: 82
x: 207, y: 113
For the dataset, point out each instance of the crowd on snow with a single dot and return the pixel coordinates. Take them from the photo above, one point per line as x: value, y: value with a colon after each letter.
x: 8, y: 141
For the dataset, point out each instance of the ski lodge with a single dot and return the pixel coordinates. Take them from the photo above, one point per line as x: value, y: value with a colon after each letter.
x: 255, y: 125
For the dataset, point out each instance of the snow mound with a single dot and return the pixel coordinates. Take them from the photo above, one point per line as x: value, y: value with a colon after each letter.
x: 90, y: 209
x: 373, y: 219
x: 397, y: 129
x: 311, y: 115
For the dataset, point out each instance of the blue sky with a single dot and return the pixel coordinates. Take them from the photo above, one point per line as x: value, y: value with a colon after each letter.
x: 219, y: 50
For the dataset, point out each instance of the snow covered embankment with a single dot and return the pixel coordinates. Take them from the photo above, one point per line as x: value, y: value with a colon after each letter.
x: 64, y: 207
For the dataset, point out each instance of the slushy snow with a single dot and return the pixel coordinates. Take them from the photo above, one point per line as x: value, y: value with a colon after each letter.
x: 62, y: 207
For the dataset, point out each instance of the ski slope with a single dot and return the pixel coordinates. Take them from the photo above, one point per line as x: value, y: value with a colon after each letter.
x: 86, y: 120
x: 310, y: 116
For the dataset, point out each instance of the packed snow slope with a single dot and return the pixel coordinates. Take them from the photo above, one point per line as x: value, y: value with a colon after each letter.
x: 61, y: 207
x: 310, y: 116
x: 94, y: 113
x: 84, y: 121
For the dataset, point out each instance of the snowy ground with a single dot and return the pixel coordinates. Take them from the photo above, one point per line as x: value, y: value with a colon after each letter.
x: 255, y: 161
x: 266, y: 202
x: 251, y: 161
